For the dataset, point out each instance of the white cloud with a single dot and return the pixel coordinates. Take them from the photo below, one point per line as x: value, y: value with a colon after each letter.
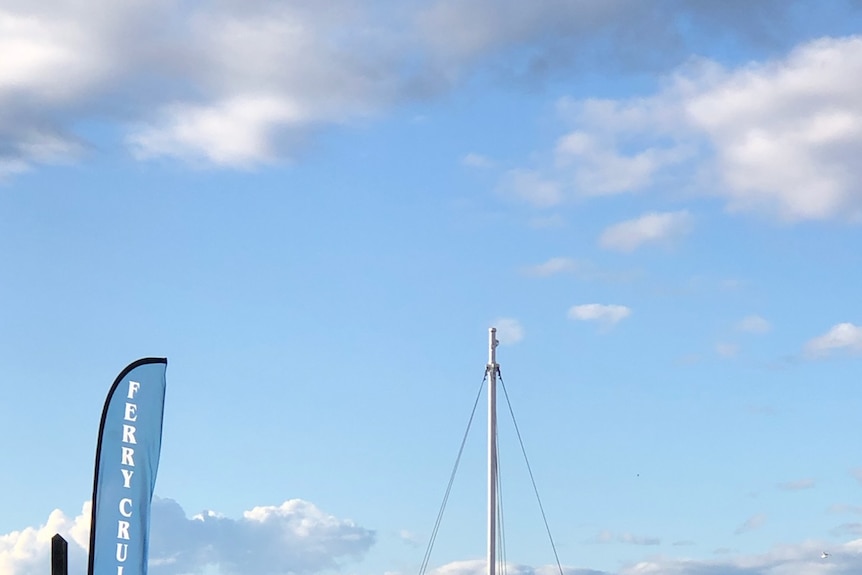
x: 754, y: 324
x: 287, y: 68
x: 779, y: 137
x: 44, y: 57
x: 606, y: 314
x: 297, y: 537
x: 28, y: 550
x: 294, y: 537
x: 843, y: 336
x: 649, y: 228
x: 227, y: 83
x: 602, y: 170
x: 551, y: 267
x: 509, y: 330
x: 233, y: 133
x: 787, y: 132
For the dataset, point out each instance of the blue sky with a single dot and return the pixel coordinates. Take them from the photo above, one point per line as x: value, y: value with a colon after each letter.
x: 316, y: 213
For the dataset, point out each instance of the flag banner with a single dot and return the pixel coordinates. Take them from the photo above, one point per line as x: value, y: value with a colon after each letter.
x: 127, y: 459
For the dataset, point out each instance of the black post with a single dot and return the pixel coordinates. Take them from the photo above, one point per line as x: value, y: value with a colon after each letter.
x: 59, y: 556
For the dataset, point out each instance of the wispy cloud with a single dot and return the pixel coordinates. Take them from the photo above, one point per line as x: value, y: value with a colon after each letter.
x: 509, y: 330
x: 604, y: 314
x: 845, y: 508
x: 753, y: 324
x: 653, y: 227
x: 474, y: 160
x: 752, y: 523
x: 781, y: 559
x: 553, y: 266
x: 581, y: 269
x: 847, y: 529
x: 726, y: 349
x: 409, y: 537
x: 841, y: 337
x: 626, y: 538
x: 797, y: 485
x: 531, y: 187
x: 547, y: 222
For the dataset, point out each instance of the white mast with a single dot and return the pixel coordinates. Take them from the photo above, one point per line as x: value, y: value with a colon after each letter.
x: 491, y: 371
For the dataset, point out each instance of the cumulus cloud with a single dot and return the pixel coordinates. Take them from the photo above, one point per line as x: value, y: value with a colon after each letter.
x: 652, y: 227
x: 754, y: 324
x: 786, y: 131
x: 294, y: 537
x: 842, y: 336
x: 235, y: 132
x: 243, y: 83
x: 509, y: 330
x: 602, y: 170
x: 778, y: 137
x: 605, y: 314
x: 227, y: 83
x: 28, y: 550
x: 297, y: 537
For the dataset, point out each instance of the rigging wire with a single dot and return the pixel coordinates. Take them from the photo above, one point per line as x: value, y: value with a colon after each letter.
x: 501, y: 529
x: 530, y: 470
x: 423, y: 568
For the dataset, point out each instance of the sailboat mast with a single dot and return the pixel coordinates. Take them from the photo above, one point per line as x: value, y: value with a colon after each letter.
x: 492, y: 450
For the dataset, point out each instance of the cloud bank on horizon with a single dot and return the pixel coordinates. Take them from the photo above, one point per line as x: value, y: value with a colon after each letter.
x: 297, y: 537
x: 294, y: 537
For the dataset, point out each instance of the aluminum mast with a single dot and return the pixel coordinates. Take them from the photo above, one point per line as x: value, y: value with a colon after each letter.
x: 491, y: 370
